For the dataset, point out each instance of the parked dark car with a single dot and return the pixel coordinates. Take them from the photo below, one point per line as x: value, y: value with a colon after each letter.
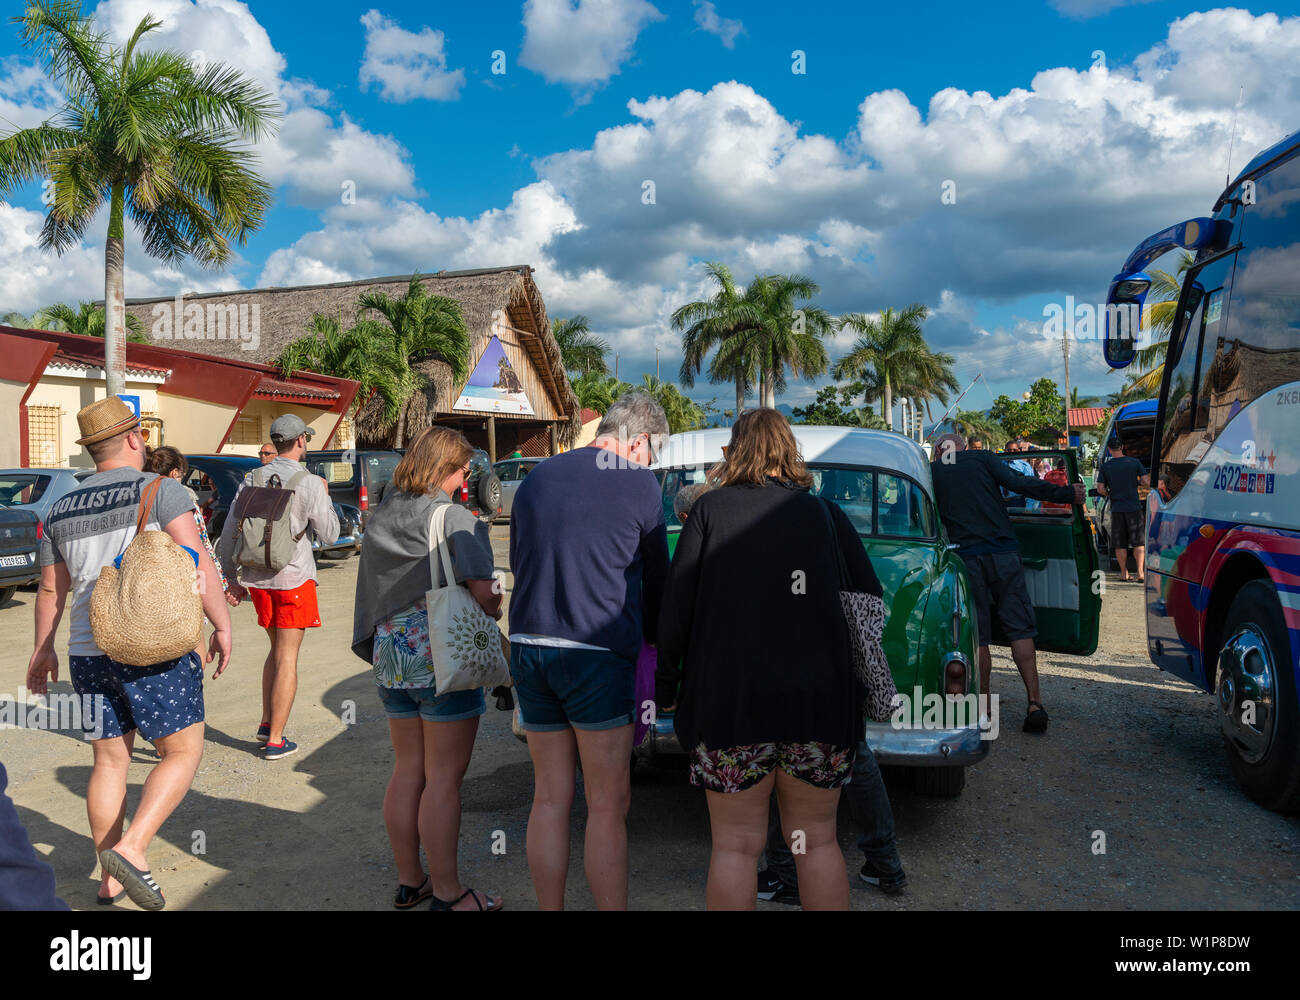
x: 480, y: 494
x: 37, y: 489
x: 20, y: 538
x: 355, y: 477
x: 215, y: 480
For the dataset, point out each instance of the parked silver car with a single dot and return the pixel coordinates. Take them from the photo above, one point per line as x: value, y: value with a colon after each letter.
x: 511, y: 472
x: 36, y: 490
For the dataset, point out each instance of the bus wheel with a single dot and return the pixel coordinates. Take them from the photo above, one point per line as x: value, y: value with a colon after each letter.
x: 1257, y: 699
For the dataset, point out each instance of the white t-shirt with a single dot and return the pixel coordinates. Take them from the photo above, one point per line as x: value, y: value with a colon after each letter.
x: 91, y: 526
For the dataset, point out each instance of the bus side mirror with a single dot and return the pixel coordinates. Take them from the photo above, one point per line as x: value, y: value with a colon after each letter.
x: 1124, y: 308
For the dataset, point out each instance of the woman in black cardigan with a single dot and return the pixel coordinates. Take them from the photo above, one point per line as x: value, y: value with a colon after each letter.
x: 768, y: 691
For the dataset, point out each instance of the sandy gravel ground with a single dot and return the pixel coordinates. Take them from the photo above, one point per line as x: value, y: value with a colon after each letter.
x: 1130, y: 752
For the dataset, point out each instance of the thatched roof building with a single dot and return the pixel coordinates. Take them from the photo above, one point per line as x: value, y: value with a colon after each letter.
x: 501, y: 304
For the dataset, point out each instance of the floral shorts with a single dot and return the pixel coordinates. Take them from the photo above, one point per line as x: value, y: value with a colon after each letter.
x: 734, y: 769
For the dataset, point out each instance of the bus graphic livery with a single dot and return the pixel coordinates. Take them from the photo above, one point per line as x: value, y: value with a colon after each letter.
x: 1223, y: 530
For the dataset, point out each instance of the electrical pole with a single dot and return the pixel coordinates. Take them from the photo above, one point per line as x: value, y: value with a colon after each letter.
x: 1065, y: 346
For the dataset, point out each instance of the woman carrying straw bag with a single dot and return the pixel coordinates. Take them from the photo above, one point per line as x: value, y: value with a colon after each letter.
x: 432, y: 734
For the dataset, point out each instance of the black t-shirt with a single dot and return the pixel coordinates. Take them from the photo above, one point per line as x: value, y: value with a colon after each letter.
x: 1120, y: 477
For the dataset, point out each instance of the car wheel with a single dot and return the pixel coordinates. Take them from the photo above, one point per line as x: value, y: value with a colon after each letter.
x: 1258, y: 711
x: 338, y: 553
x: 5, y: 594
x: 946, y: 782
x: 489, y: 493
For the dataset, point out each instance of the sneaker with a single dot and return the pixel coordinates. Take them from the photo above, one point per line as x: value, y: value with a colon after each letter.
x: 263, y: 732
x: 772, y: 890
x: 889, y: 883
x: 273, y: 751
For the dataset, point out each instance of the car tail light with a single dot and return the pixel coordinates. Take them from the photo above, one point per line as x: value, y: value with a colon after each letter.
x: 954, y: 677
x: 40, y: 530
x: 464, y: 492
x: 365, y: 498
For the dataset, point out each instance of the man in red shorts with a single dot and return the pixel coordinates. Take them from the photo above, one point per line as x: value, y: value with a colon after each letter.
x: 285, y: 601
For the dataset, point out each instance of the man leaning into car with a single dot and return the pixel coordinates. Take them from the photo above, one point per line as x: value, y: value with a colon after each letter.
x: 966, y: 489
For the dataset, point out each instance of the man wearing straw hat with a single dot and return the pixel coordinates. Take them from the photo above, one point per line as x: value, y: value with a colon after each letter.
x: 85, y: 531
x: 285, y: 599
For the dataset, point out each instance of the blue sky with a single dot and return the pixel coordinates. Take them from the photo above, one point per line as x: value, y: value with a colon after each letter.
x: 1062, y: 159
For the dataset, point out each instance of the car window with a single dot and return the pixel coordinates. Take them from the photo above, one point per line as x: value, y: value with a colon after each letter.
x: 17, y: 489
x: 525, y: 469
x: 1047, y: 467
x: 674, y: 480
x: 902, y: 509
x: 380, y: 468
x: 506, y: 471
x: 334, y: 472
x: 851, y: 489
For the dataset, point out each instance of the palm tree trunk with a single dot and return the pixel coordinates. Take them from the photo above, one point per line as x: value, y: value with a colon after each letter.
x: 740, y: 393
x: 888, y: 413
x: 115, y: 298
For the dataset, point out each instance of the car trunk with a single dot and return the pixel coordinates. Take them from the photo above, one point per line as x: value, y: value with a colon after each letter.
x: 17, y: 539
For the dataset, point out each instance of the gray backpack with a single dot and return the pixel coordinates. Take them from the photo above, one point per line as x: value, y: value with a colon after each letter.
x: 264, y: 532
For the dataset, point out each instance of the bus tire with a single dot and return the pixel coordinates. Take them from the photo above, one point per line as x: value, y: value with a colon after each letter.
x: 1264, y: 753
x: 944, y: 782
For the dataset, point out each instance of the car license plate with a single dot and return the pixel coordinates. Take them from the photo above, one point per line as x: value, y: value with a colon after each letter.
x: 20, y: 560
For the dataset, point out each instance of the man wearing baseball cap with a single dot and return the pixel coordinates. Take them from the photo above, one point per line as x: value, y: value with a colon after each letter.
x: 285, y: 600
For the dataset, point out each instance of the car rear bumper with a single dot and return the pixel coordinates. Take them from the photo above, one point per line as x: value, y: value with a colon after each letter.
x: 905, y: 747
x: 17, y: 576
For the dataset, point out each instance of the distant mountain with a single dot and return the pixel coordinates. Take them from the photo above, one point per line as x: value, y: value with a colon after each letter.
x: 719, y: 420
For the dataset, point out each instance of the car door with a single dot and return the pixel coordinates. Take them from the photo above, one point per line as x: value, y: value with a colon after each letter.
x: 508, y: 473
x: 1061, y: 566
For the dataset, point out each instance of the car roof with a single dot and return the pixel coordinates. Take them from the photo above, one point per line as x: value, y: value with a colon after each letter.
x: 852, y: 446
x: 35, y: 471
x: 232, y: 459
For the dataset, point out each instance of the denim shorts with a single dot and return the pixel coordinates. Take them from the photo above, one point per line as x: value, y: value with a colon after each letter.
x: 561, y: 688
x: 407, y: 703
x: 158, y: 700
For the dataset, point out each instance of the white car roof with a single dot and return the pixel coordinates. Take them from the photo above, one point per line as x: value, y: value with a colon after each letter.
x: 851, y: 446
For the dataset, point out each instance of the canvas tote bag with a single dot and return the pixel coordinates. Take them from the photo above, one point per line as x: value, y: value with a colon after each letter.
x: 865, y: 615
x: 149, y: 610
x: 465, y: 644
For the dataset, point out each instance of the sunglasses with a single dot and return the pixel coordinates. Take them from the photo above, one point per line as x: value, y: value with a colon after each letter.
x: 265, y: 453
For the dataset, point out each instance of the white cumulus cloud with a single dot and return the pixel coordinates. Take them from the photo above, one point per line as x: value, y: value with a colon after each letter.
x: 405, y: 64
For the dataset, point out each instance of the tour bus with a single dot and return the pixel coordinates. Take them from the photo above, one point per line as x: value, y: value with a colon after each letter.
x: 1223, y: 528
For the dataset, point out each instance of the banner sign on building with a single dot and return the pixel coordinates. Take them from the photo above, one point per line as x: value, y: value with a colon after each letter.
x: 493, y: 386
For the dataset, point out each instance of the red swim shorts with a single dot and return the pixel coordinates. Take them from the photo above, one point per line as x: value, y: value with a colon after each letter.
x: 287, y: 608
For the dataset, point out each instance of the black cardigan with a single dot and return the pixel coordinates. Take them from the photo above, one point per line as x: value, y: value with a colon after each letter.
x: 752, y: 625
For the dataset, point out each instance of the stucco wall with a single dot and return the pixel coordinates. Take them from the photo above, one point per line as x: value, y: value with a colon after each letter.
x: 71, y: 394
x: 11, y: 393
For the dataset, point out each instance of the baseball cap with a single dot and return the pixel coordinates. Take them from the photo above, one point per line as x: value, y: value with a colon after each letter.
x: 288, y: 427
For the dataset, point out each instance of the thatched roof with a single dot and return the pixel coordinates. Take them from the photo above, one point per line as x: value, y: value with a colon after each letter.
x: 284, y: 315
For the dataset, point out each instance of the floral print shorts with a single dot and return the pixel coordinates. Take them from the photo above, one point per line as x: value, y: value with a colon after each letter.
x: 734, y: 769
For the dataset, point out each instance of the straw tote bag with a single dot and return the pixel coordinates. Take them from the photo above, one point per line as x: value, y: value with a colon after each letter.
x: 865, y: 615
x: 148, y: 610
x: 465, y: 644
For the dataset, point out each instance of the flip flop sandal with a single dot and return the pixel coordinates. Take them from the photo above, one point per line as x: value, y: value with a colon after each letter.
x: 1036, y: 719
x: 407, y: 897
x: 109, y: 900
x: 442, y: 905
x: 140, y: 886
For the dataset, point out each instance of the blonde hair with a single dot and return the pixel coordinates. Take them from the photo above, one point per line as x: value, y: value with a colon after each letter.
x: 435, y: 454
x: 761, y: 441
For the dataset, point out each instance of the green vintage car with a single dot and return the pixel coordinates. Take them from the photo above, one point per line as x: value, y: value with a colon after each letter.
x: 882, y: 482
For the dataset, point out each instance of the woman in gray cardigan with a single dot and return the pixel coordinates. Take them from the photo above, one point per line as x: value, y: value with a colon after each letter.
x: 433, y: 735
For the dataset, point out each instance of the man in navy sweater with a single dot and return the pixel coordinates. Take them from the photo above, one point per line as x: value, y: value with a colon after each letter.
x: 589, y: 553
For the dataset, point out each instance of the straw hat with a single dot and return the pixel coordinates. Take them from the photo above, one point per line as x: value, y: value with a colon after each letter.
x: 105, y: 418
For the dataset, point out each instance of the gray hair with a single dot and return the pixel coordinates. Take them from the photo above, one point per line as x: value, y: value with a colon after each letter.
x: 686, y: 497
x: 634, y: 413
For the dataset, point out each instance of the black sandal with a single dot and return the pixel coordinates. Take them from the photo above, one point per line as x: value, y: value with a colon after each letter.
x: 407, y: 897
x: 442, y: 905
x: 1036, y: 719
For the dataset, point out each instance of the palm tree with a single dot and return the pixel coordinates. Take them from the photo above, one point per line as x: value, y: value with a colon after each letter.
x: 1079, y: 402
x: 597, y: 392
x: 683, y: 414
x: 724, y: 321
x: 416, y: 327
x: 972, y: 423
x: 87, y: 320
x: 147, y: 134
x: 17, y: 320
x: 352, y: 353
x: 931, y: 377
x: 1159, y: 317
x: 892, y: 344
x: 790, y: 334
x: 579, y: 350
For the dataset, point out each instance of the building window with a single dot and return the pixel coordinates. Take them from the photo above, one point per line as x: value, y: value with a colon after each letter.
x: 345, y: 436
x: 43, y: 446
x: 248, y: 430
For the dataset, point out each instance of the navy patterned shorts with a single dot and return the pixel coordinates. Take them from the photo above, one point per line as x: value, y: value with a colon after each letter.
x: 734, y: 769
x: 158, y: 700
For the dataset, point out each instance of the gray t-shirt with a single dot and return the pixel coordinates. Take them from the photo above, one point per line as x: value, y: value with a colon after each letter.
x: 91, y: 526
